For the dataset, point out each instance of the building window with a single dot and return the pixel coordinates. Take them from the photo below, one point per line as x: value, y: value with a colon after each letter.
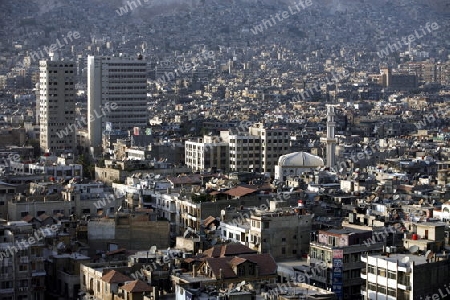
x: 251, y: 270
x: 371, y: 269
x: 283, y: 250
x: 392, y: 275
x: 381, y: 289
x: 23, y: 268
x: 381, y: 272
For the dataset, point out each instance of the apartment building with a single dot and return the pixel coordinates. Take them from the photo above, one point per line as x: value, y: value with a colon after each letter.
x: 396, y: 276
x: 245, y: 151
x: 208, y: 153
x: 22, y: 273
x: 275, y: 141
x: 57, y: 106
x: 340, y: 250
x: 281, y: 231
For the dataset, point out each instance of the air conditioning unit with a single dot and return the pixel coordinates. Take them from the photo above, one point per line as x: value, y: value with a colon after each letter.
x: 21, y: 289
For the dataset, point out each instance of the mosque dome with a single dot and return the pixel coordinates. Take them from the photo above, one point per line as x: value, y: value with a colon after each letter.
x: 300, y: 159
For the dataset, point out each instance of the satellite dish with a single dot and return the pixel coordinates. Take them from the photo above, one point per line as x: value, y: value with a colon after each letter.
x: 153, y: 249
x: 413, y: 249
x: 429, y: 254
x: 396, y: 197
x: 405, y: 260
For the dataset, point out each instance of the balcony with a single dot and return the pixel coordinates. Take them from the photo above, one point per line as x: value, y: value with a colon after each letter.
x: 38, y: 273
x: 364, y: 274
x: 7, y: 291
x: 404, y: 286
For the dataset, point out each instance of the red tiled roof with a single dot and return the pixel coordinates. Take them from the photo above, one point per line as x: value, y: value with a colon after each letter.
x: 137, y: 286
x: 240, y: 191
x: 228, y: 250
x: 191, y: 179
x: 265, y: 261
x: 114, y: 276
x: 121, y: 250
x: 208, y: 221
x: 43, y: 217
x: 28, y: 218
x: 221, y: 264
x: 236, y: 261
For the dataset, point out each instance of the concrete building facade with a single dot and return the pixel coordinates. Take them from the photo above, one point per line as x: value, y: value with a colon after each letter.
x: 57, y: 106
x: 117, y: 93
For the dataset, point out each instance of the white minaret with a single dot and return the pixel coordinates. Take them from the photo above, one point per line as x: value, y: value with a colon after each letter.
x: 331, y: 141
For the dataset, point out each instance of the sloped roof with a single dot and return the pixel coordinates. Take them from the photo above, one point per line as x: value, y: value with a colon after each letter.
x: 114, y: 276
x: 208, y: 221
x: 221, y: 264
x: 228, y: 250
x: 240, y: 191
x: 236, y: 261
x: 190, y: 179
x: 28, y: 218
x: 265, y: 262
x: 137, y: 286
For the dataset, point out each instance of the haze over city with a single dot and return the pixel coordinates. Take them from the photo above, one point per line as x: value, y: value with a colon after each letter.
x: 224, y: 149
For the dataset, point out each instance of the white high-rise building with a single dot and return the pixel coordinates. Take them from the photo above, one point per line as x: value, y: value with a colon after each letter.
x: 57, y: 106
x: 117, y: 95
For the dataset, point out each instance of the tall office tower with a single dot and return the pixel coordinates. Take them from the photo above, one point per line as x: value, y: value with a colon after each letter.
x: 117, y: 95
x: 57, y: 106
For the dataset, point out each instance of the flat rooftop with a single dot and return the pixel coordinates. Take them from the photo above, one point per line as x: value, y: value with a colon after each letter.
x: 401, y: 258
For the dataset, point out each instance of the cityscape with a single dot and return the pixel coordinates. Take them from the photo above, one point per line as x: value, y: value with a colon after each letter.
x: 224, y: 149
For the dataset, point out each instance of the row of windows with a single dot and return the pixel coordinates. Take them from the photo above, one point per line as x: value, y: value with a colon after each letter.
x: 56, y: 83
x: 126, y: 88
x: 244, y: 141
x: 128, y: 70
x: 380, y: 289
x: 276, y: 133
x: 127, y: 65
x: 56, y: 71
x: 127, y: 76
x: 40, y: 212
